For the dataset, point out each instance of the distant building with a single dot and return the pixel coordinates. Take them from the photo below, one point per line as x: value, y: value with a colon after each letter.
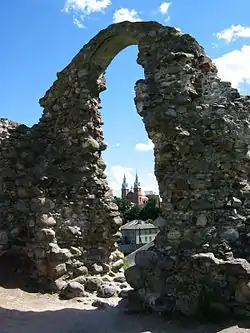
x: 134, y: 195
x: 150, y: 193
x: 135, y: 234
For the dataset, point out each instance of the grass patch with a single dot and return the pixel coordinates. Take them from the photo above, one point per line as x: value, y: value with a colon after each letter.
x: 125, y: 264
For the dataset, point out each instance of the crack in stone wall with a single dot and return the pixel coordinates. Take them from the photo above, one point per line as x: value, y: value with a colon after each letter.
x: 57, y: 205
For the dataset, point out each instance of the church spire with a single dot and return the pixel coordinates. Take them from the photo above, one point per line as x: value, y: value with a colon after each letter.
x: 137, y: 183
x: 124, y: 183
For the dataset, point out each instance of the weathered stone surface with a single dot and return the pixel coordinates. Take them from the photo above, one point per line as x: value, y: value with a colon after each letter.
x: 59, y: 284
x: 75, y: 251
x: 72, y: 290
x: 58, y: 253
x: 3, y: 238
x: 120, y: 277
x: 80, y: 279
x: 160, y: 222
x: 97, y: 268
x: 134, y: 277
x: 146, y: 259
x: 242, y: 293
x: 123, y: 293
x: 117, y: 265
x: 82, y: 270
x: 59, y: 270
x: 107, y: 291
x: 55, y: 199
x: 99, y: 304
x: 92, y: 283
x: 46, y: 235
x: 48, y: 221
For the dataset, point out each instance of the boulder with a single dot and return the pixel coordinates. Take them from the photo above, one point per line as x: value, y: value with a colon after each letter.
x: 73, y: 289
x: 242, y: 293
x: 99, y: 304
x: 134, y: 277
x: 80, y: 279
x: 97, y: 269
x: 117, y: 265
x: 120, y: 278
x: 82, y: 270
x: 92, y: 283
x: 59, y: 270
x: 107, y: 291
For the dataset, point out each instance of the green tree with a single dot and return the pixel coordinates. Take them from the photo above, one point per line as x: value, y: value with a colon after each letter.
x: 150, y: 211
x: 123, y: 205
x: 133, y: 213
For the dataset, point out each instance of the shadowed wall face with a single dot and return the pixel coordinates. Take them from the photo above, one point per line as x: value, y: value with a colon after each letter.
x: 56, y: 202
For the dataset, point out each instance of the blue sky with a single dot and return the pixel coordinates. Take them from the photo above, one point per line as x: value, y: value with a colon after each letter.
x: 40, y: 37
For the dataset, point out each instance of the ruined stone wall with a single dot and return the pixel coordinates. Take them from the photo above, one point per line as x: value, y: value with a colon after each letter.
x: 55, y: 195
x: 11, y: 136
x: 200, y: 129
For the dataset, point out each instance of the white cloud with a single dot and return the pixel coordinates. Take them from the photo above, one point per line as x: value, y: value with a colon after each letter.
x: 116, y: 145
x: 234, y: 32
x: 164, y: 7
x: 145, y: 146
x: 234, y: 66
x: 86, y: 6
x: 115, y: 177
x: 78, y: 22
x: 124, y: 14
x: 83, y: 8
x: 167, y: 19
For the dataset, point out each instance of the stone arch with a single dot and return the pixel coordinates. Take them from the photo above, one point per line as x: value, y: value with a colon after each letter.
x: 109, y: 48
x: 54, y: 189
x: 74, y: 100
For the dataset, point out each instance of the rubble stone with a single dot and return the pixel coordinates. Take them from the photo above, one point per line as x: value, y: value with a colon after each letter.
x: 107, y: 291
x: 72, y: 290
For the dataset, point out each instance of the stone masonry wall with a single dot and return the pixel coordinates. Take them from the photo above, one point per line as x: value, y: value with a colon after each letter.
x: 56, y: 204
x: 11, y: 136
x: 200, y: 129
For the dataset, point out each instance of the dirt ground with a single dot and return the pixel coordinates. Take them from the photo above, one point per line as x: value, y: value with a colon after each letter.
x: 22, y: 312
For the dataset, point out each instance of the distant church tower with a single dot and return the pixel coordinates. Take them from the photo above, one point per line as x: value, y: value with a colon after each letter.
x: 133, y: 195
x: 125, y: 189
x: 137, y: 191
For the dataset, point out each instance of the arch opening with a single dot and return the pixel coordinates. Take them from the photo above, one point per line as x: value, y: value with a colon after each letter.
x: 103, y: 57
x: 125, y: 134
